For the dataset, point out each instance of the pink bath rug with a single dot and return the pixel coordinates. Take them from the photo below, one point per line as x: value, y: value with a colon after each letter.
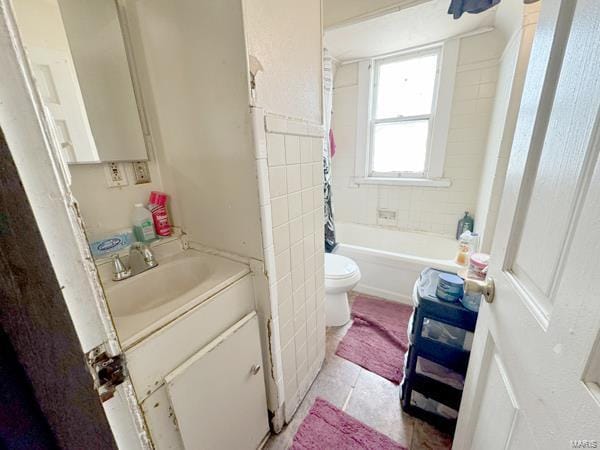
x: 377, y: 339
x: 326, y: 427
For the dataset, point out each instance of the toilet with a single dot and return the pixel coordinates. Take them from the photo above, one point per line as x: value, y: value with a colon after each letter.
x: 341, y: 275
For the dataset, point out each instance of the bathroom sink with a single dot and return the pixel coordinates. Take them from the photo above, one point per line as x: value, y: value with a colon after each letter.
x: 145, y: 302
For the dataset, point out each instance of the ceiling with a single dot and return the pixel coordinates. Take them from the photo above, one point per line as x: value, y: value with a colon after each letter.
x: 411, y: 27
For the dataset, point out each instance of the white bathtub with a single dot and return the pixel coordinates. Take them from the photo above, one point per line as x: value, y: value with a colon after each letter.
x: 390, y: 260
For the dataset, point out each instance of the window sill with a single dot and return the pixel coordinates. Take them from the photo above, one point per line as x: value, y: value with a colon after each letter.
x: 422, y: 182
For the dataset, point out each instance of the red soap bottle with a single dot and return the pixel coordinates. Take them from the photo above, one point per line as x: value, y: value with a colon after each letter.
x: 158, y: 207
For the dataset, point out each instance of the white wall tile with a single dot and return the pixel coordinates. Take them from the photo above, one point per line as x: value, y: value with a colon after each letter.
x: 309, y: 289
x: 307, y: 201
x: 297, y: 127
x: 294, y: 179
x: 298, y: 277
x: 281, y: 238
x: 318, y: 196
x: 288, y: 358
x: 275, y: 124
x: 295, y: 205
x: 286, y: 311
x: 309, y: 246
x: 279, y: 211
x: 317, y: 177
x: 292, y: 149
x: 306, y: 155
x: 296, y: 233
x: 299, y: 298
x: 317, y: 149
x: 309, y: 265
x: 297, y: 255
x: 308, y: 224
x: 282, y: 264
x: 306, y: 176
x: 275, y: 149
x: 277, y: 181
x: 284, y: 288
x: 319, y: 223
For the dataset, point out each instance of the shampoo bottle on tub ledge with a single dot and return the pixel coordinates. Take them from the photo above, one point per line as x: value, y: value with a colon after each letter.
x: 143, y: 228
x: 158, y: 207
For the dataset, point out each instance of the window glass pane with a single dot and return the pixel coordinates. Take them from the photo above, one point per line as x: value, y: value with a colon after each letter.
x: 400, y: 146
x: 405, y: 87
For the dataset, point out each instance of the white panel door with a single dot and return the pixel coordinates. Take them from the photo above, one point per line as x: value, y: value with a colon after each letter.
x: 46, y: 184
x: 534, y: 373
x: 57, y: 83
x: 218, y: 396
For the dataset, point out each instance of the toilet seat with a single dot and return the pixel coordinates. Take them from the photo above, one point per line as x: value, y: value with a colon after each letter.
x: 338, y: 267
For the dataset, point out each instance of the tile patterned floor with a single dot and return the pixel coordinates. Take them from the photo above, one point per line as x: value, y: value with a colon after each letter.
x: 364, y: 395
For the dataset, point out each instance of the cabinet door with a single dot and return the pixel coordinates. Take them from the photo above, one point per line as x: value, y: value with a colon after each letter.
x: 218, y: 395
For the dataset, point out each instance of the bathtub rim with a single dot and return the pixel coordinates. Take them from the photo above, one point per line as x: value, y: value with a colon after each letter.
x: 394, y: 261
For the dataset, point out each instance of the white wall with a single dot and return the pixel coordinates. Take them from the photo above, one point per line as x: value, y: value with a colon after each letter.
x: 192, y: 60
x: 285, y: 37
x: 513, y: 67
x: 426, y: 209
x: 107, y: 209
x: 339, y: 11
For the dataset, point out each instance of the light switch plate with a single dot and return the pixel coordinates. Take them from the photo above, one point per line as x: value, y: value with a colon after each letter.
x: 141, y: 173
x: 115, y: 175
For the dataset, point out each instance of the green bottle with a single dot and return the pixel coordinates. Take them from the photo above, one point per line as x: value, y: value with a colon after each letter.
x: 464, y: 224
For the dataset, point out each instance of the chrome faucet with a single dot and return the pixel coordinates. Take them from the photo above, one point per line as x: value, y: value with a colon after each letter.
x: 140, y: 259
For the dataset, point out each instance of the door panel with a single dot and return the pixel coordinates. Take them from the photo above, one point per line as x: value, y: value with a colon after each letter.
x: 532, y: 379
x: 498, y: 407
x: 561, y: 181
x: 56, y: 80
x: 218, y: 399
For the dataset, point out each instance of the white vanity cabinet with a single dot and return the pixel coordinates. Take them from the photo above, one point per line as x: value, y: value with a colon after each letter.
x: 218, y: 396
x: 196, y: 380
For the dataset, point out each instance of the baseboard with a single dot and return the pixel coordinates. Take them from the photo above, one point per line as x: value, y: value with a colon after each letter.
x: 384, y: 293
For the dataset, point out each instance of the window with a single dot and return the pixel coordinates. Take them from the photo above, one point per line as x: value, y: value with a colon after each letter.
x: 404, y: 113
x: 402, y: 106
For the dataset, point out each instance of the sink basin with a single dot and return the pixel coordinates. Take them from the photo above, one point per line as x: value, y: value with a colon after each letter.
x: 145, y: 302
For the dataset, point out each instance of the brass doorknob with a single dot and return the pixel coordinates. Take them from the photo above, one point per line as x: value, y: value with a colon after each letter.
x: 487, y: 288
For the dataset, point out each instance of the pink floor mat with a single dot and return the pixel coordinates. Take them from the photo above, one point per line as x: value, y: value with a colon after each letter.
x: 330, y: 428
x: 377, y: 339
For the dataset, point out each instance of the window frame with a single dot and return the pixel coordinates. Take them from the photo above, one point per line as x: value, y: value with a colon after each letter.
x: 373, y: 121
x: 439, y: 125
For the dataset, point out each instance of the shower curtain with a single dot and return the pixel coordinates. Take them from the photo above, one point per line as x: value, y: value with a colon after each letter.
x: 328, y: 72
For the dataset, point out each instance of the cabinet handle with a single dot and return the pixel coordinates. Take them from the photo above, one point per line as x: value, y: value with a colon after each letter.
x: 255, y: 369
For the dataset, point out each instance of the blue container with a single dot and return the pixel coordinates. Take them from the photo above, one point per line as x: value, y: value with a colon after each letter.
x: 471, y: 301
x: 450, y: 287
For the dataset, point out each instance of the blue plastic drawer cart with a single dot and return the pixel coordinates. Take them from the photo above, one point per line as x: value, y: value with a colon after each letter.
x: 440, y: 337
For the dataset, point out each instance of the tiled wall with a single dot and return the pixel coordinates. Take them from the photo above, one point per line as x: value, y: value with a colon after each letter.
x: 291, y: 179
x: 429, y: 209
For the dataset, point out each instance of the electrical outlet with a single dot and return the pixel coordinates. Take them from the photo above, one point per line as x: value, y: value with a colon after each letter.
x: 141, y: 173
x: 115, y: 175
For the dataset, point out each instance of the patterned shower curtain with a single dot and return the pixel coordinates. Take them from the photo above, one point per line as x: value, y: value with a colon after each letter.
x: 327, y: 111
